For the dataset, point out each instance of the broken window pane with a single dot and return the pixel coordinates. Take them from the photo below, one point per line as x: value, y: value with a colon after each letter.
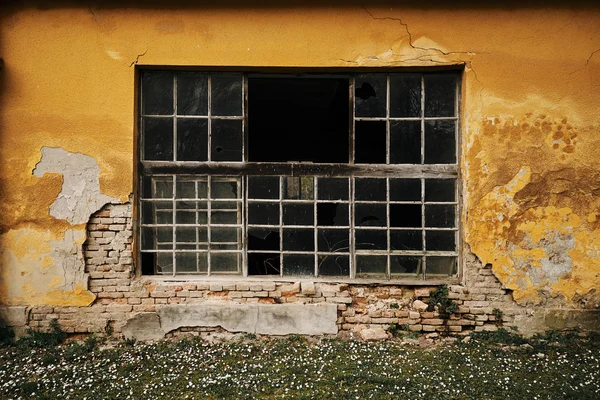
x: 333, y: 240
x: 226, y: 140
x: 226, y: 93
x: 157, y: 93
x: 405, y: 95
x: 263, y: 187
x: 440, y: 142
x: 439, y: 216
x: 405, y: 215
x: 333, y: 188
x: 367, y: 266
x: 298, y: 239
x: 440, y: 190
x: 263, y: 213
x: 299, y: 187
x: 332, y: 214
x: 370, y: 215
x: 192, y: 93
x: 192, y: 139
x: 370, y: 95
x: 440, y: 266
x: 158, y: 139
x: 299, y: 264
x: 406, y: 240
x: 440, y: 95
x: 406, y: 265
x: 298, y: 214
x: 405, y: 189
x: 367, y: 239
x: 263, y: 264
x: 405, y: 142
x: 224, y: 262
x: 164, y: 263
x: 334, y: 265
x: 263, y: 239
x: 440, y: 240
x: 370, y: 142
x: 370, y: 189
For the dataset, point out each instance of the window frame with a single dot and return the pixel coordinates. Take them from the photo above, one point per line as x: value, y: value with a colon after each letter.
x: 350, y: 170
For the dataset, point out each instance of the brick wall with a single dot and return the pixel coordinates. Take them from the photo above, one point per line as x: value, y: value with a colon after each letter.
x: 109, y: 263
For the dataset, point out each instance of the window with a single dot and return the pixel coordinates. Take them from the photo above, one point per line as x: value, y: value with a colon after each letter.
x: 326, y: 175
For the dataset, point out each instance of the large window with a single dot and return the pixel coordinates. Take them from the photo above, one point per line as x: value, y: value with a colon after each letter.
x: 326, y: 175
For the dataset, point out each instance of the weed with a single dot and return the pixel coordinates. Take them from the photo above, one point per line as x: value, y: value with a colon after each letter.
x: 501, y: 336
x: 6, y: 334
x: 39, y: 339
x: 129, y: 342
x: 397, y: 330
x: 395, y: 306
x: 250, y: 336
x: 439, y: 298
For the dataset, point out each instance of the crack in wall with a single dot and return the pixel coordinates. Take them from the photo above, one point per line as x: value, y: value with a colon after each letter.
x: 137, y: 59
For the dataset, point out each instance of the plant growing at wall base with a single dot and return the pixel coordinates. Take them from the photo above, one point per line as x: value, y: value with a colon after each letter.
x: 39, y: 339
x: 439, y: 299
x: 6, y: 334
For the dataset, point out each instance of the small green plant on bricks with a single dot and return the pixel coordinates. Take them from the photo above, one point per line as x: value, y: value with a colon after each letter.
x: 439, y: 299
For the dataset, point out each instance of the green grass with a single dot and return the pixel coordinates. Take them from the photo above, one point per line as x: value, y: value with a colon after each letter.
x: 551, y: 367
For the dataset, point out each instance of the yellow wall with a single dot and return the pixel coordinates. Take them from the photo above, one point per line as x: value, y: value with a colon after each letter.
x: 530, y: 132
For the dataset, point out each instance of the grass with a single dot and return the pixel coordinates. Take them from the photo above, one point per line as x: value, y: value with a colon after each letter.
x: 490, y: 366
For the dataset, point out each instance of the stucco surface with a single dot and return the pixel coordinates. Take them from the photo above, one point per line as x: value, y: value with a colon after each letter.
x: 530, y: 125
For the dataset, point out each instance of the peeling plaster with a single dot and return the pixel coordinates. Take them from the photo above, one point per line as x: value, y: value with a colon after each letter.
x: 80, y: 195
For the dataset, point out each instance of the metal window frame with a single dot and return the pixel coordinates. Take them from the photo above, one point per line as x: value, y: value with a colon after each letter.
x: 349, y: 170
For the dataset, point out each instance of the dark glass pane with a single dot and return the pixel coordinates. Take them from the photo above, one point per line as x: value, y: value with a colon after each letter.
x: 226, y: 94
x: 405, y: 142
x: 405, y: 189
x: 157, y: 238
x: 157, y: 212
x: 298, y: 214
x: 192, y: 139
x: 186, y: 188
x: 370, y: 95
x: 229, y: 235
x: 263, y: 264
x: 334, y: 265
x: 158, y: 139
x: 226, y: 140
x: 263, y: 213
x: 224, y: 262
x: 370, y: 142
x: 370, y: 239
x: 440, y: 142
x: 298, y: 239
x: 406, y: 240
x: 263, y: 187
x: 333, y: 240
x: 370, y: 189
x: 191, y: 262
x: 370, y: 215
x: 298, y: 187
x: 440, y: 95
x: 263, y: 239
x: 162, y: 188
x: 225, y: 205
x: 186, y: 234
x: 440, y: 190
x: 298, y: 264
x: 192, y: 93
x: 440, y: 240
x: 405, y: 215
x: 164, y: 263
x: 157, y: 93
x: 223, y: 189
x: 406, y: 265
x: 439, y: 216
x: 333, y: 188
x: 224, y: 217
x: 440, y: 266
x: 332, y: 214
x: 370, y: 265
x: 186, y: 213
x: 405, y: 95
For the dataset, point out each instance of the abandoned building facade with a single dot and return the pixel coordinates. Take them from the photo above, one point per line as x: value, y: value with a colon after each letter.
x: 299, y: 168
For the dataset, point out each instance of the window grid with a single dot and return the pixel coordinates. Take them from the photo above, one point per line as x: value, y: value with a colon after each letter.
x: 245, y: 226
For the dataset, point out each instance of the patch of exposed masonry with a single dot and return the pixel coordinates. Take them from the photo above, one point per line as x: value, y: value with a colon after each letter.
x: 68, y: 258
x: 80, y: 195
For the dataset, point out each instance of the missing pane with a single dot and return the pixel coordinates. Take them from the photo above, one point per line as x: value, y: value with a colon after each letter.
x: 370, y: 95
x: 370, y: 142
